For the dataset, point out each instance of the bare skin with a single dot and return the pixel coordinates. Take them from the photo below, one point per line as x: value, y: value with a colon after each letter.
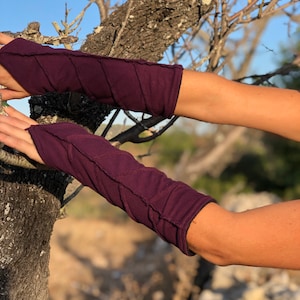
x: 268, y: 236
x: 232, y: 103
x: 211, y: 98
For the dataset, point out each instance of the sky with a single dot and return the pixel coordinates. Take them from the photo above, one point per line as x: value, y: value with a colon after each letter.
x: 17, y: 14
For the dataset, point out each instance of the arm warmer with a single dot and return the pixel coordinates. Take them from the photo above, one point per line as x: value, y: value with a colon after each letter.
x: 146, y: 194
x: 135, y: 85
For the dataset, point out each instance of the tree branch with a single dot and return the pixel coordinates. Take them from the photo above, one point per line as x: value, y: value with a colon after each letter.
x: 150, y: 28
x: 32, y: 33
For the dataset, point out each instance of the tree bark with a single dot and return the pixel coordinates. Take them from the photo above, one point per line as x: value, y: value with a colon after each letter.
x: 145, y: 29
x: 30, y: 200
x: 29, y: 207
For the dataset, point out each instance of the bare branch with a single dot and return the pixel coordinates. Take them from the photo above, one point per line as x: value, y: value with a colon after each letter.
x: 286, y: 69
x: 103, y: 7
x: 132, y: 134
x: 243, y: 11
x: 214, y: 161
x: 32, y: 33
x: 69, y: 28
x: 73, y: 189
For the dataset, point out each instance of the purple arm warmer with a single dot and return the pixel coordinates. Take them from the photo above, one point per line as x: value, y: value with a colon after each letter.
x: 134, y: 85
x: 146, y: 194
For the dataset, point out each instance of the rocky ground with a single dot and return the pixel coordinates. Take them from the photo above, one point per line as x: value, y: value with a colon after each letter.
x: 111, y: 257
x: 96, y: 256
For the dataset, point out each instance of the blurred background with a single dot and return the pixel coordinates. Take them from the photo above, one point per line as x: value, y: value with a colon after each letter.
x: 97, y: 252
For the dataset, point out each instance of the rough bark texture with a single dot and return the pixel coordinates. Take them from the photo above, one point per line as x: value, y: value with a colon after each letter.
x: 29, y: 206
x: 144, y: 29
x: 30, y: 200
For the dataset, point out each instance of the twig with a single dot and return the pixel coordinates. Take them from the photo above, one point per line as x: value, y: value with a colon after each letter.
x: 69, y: 28
x: 262, y: 78
x: 124, y: 23
x: 103, y: 8
x: 71, y: 195
x: 32, y: 33
x: 132, y: 134
x: 110, y: 123
x: 242, y: 11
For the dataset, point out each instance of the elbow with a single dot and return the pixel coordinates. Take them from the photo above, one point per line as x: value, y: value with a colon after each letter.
x: 216, y: 257
x: 213, y: 240
x: 217, y: 252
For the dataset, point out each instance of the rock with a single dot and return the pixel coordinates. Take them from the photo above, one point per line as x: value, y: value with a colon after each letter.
x: 244, y: 202
x: 257, y: 293
x: 209, y: 295
x: 222, y: 278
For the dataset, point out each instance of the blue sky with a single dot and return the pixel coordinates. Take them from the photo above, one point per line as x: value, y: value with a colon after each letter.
x: 17, y: 14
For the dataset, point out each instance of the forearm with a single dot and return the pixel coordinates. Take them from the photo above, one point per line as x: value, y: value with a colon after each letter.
x: 146, y: 194
x: 152, y: 88
x: 268, y: 236
x: 135, y: 85
x: 211, y: 98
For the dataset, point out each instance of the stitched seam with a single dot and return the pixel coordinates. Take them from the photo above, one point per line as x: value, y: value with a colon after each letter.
x: 44, y: 71
x: 36, y: 54
x: 107, y: 81
x: 118, y: 181
x: 141, y: 88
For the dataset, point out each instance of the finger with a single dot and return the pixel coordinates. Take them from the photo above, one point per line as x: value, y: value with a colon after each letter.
x: 5, y: 39
x: 12, y: 112
x: 8, y: 94
x: 14, y: 122
x: 26, y: 147
x: 19, y: 139
x: 14, y: 127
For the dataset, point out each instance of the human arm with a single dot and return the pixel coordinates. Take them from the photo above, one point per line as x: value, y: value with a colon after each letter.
x: 135, y: 85
x: 150, y: 88
x: 267, y: 236
x: 212, y: 98
x: 146, y: 194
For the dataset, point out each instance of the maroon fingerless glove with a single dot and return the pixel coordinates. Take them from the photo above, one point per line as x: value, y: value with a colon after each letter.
x: 134, y: 85
x: 146, y: 194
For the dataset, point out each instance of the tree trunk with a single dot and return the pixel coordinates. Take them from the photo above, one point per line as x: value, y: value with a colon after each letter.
x: 30, y: 200
x: 29, y: 207
x: 145, y: 29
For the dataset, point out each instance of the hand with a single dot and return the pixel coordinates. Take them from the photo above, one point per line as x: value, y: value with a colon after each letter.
x: 13, y: 133
x: 12, y: 90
